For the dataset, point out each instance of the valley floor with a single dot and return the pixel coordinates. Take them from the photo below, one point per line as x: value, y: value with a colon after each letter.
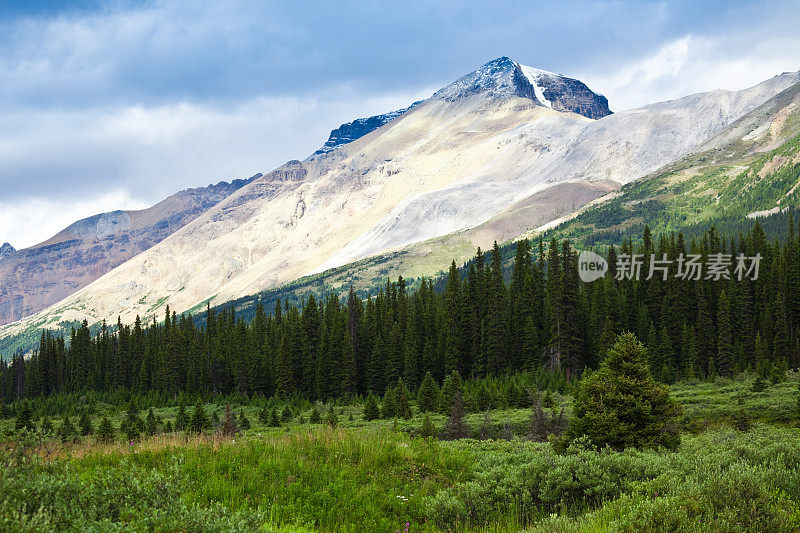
x: 737, y: 469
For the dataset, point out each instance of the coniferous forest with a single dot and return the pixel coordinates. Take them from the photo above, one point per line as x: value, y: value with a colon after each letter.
x: 507, y: 395
x: 479, y: 325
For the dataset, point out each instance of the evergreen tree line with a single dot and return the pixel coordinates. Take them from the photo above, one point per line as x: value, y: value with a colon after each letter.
x: 478, y: 325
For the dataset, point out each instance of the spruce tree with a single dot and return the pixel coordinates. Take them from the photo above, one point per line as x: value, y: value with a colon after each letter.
x: 151, y: 424
x: 428, y: 429
x: 274, y: 420
x: 389, y: 406
x: 371, y: 409
x: 47, y: 425
x: 181, y: 420
x: 105, y: 431
x: 85, y: 423
x: 229, y: 426
x: 428, y: 394
x: 456, y: 427
x: 452, y: 385
x: 199, y: 420
x: 622, y: 405
x: 132, y: 425
x: 403, y: 400
x: 725, y: 336
x: 24, y: 418
x: 244, y: 422
x: 67, y: 430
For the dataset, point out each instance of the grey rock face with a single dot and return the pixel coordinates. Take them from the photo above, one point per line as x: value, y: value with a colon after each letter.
x: 504, y: 77
x: 349, y: 132
x: 6, y: 249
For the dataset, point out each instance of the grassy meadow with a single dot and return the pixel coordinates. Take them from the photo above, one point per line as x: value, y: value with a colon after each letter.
x: 737, y: 469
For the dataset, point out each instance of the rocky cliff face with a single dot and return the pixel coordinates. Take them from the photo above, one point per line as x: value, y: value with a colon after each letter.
x: 504, y: 77
x: 350, y: 131
x: 36, y: 277
x: 6, y: 249
x: 566, y: 94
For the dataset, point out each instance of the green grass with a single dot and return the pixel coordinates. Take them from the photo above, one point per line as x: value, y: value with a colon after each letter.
x: 375, y: 476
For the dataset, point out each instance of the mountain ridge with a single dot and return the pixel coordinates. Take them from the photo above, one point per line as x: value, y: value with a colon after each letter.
x: 38, y: 276
x: 447, y: 165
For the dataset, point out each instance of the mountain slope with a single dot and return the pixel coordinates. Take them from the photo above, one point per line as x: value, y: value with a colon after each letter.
x: 36, y: 277
x: 468, y: 157
x: 750, y: 169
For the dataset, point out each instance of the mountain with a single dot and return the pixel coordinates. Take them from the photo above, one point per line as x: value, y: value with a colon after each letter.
x: 485, y: 157
x: 351, y: 131
x: 750, y: 169
x: 36, y: 277
x: 6, y: 249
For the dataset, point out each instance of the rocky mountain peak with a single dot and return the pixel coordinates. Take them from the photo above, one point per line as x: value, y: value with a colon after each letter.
x: 6, y: 249
x: 503, y: 77
x: 350, y: 131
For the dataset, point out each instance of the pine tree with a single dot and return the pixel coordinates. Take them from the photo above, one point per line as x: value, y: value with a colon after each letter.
x: 85, y: 424
x: 622, y: 406
x: 286, y: 414
x: 105, y: 431
x: 428, y: 394
x: 199, y: 420
x: 371, y: 409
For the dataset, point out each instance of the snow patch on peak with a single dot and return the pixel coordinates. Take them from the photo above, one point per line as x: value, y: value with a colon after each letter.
x: 533, y: 74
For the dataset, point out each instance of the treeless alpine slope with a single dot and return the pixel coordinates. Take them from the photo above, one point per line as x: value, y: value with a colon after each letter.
x: 488, y: 141
x: 33, y: 278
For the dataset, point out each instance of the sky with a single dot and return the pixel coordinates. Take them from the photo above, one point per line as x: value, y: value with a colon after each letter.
x: 116, y: 105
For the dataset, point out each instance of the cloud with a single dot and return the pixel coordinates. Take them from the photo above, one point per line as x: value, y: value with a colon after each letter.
x: 692, y: 64
x: 34, y: 220
x: 117, y: 105
x: 72, y: 158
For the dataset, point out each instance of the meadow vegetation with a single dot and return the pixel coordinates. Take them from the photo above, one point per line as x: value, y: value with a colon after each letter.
x: 737, y: 467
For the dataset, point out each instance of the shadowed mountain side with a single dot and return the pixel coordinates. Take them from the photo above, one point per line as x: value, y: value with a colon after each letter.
x: 36, y: 277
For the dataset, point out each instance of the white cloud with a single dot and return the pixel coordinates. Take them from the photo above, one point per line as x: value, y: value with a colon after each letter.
x: 52, y: 159
x: 692, y: 64
x: 30, y: 221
